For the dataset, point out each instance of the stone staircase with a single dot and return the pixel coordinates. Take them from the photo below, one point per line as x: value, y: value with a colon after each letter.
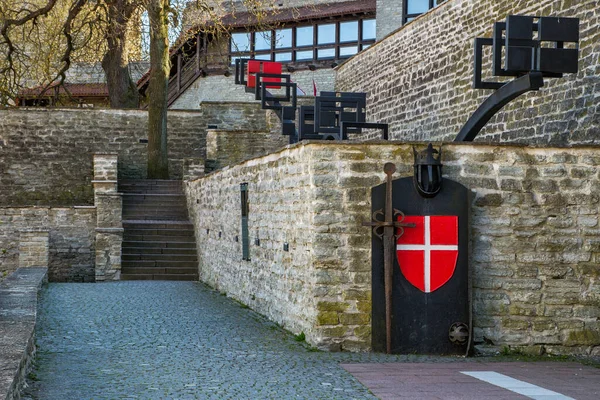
x: 158, y: 238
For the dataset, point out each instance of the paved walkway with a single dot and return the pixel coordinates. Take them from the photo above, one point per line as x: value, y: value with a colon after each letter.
x: 181, y: 340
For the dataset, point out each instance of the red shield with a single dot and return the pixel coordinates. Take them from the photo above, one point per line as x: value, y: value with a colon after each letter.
x: 428, y: 252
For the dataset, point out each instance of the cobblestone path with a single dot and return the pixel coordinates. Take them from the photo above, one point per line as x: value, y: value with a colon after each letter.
x: 173, y: 340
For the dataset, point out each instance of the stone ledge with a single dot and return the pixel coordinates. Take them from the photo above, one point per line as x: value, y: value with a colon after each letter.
x: 34, y: 230
x: 18, y: 310
x: 110, y: 230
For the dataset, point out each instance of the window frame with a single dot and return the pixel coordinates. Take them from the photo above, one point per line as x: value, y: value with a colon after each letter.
x: 406, y: 16
x: 360, y: 43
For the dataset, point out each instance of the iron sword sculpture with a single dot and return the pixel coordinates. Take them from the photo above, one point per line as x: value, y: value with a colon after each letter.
x: 385, y: 230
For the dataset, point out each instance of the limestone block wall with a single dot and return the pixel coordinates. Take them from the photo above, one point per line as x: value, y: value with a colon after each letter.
x: 419, y: 78
x: 46, y: 155
x: 220, y: 88
x: 389, y: 16
x: 228, y: 147
x: 535, y: 250
x: 33, y: 248
x: 70, y: 239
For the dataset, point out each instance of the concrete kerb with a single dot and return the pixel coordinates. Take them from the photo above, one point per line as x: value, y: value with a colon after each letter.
x: 18, y: 312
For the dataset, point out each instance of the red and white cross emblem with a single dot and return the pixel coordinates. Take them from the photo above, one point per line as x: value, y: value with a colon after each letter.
x: 427, y: 253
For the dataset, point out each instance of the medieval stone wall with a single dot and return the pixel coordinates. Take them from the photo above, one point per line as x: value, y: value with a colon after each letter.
x: 535, y: 233
x: 70, y: 239
x: 46, y: 155
x: 389, y: 16
x: 220, y: 88
x: 419, y: 79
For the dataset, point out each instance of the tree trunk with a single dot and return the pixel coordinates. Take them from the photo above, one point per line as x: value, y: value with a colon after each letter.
x: 158, y: 161
x: 122, y: 91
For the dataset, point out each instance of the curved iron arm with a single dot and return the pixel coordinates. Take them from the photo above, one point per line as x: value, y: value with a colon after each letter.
x: 494, y: 103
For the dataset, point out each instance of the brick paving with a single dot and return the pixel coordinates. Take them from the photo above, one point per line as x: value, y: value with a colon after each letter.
x: 446, y: 381
x: 182, y: 340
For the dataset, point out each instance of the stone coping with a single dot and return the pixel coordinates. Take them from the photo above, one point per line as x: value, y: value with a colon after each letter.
x: 359, y: 144
x: 18, y: 311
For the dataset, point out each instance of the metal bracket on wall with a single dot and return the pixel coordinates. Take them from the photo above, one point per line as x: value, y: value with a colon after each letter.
x: 533, y: 48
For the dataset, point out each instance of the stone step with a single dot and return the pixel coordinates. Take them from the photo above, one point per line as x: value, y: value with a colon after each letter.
x: 158, y: 263
x: 158, y: 257
x: 157, y: 270
x: 157, y: 238
x: 160, y: 232
x: 155, y: 250
x: 156, y: 217
x: 150, y: 183
x: 155, y: 203
x: 152, y: 209
x: 142, y: 198
x: 159, y: 277
x: 151, y: 196
x: 160, y: 245
x: 179, y: 225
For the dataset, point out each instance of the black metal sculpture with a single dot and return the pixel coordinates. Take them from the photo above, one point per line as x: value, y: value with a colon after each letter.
x: 532, y: 51
x: 428, y: 171
x: 333, y: 117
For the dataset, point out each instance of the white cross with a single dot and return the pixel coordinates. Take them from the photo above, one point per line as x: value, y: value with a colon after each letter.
x: 427, y: 248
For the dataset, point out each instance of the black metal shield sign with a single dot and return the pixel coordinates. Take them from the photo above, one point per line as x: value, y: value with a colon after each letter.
x: 430, y: 294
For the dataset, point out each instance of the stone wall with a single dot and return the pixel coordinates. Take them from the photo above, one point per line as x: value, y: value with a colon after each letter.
x: 18, y: 311
x: 389, y: 16
x: 227, y: 147
x: 419, y: 79
x: 220, y: 88
x: 536, y: 240
x: 46, y: 155
x: 70, y: 235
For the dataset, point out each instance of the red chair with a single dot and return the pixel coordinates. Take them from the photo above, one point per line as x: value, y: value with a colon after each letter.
x: 265, y: 67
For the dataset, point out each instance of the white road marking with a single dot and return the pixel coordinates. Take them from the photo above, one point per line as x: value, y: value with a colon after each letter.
x: 517, y: 386
x: 427, y: 247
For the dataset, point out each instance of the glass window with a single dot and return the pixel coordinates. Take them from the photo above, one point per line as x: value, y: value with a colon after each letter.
x: 326, y: 34
x: 304, y: 55
x: 417, y: 6
x: 365, y: 46
x: 262, y: 41
x: 283, y: 56
x: 325, y: 53
x: 283, y: 38
x: 349, y: 31
x: 240, y: 42
x: 264, y: 57
x: 304, y: 36
x: 348, y: 51
x: 368, y: 29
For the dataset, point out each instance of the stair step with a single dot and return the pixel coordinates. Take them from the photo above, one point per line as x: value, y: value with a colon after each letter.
x: 160, y: 232
x: 172, y: 245
x: 159, y: 277
x: 179, y: 225
x: 155, y: 217
x: 155, y: 270
x: 159, y: 257
x: 156, y: 238
x: 143, y: 206
x: 158, y: 250
x: 159, y: 263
